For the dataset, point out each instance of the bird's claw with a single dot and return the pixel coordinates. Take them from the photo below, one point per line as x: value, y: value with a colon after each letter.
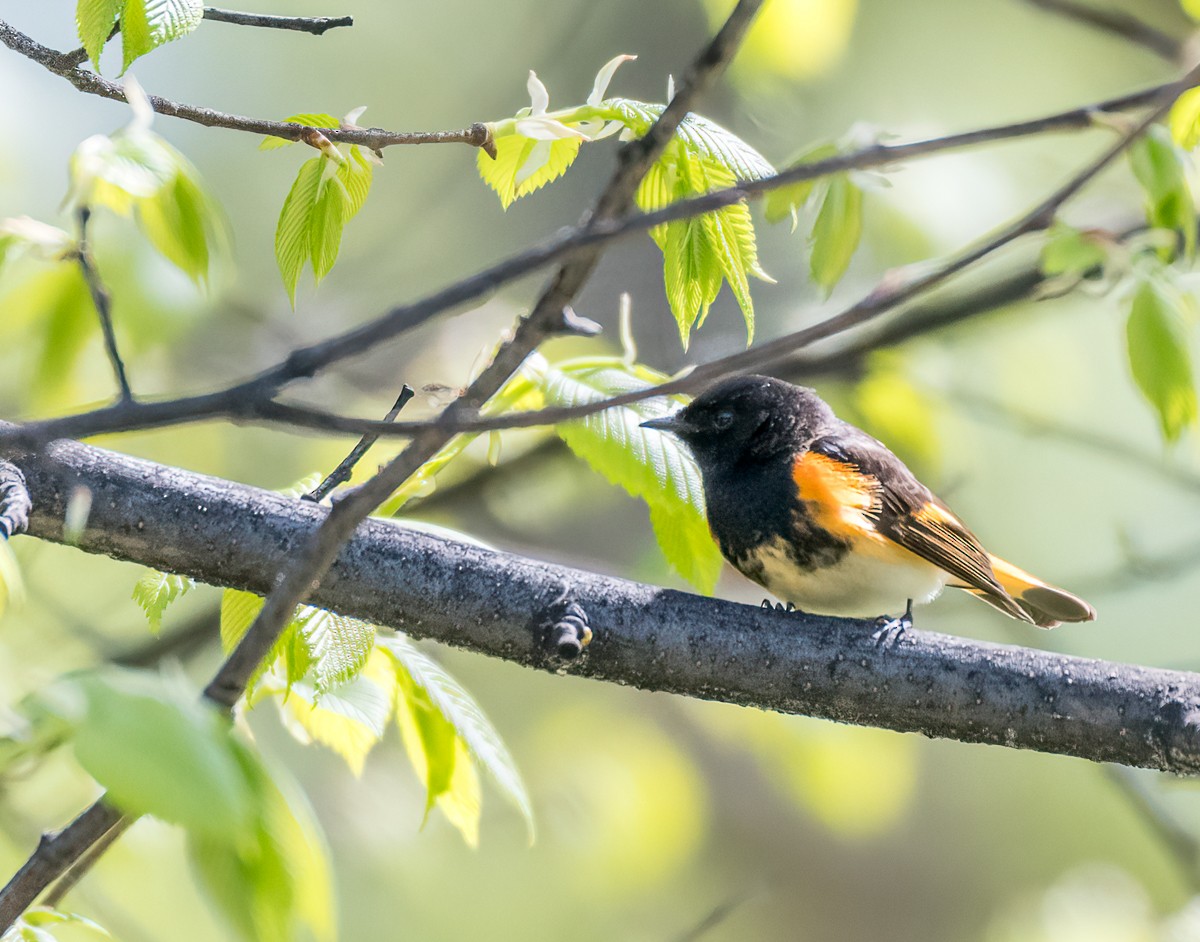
x: 778, y: 606
x: 892, y: 629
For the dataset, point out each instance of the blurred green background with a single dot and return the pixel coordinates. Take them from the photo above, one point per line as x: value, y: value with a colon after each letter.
x: 654, y: 811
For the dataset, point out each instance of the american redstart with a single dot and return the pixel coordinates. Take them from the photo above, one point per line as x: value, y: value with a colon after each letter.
x: 826, y: 518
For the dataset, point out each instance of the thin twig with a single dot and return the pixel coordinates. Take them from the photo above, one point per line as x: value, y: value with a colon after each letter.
x: 66, y: 65
x: 1118, y: 23
x: 102, y: 301
x: 245, y: 399
x: 80, y: 868
x: 342, y: 472
x: 317, y: 25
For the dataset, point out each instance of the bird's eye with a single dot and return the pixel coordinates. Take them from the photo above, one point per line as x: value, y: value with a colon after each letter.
x: 723, y: 419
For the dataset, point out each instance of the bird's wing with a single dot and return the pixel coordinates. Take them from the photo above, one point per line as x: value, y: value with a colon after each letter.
x: 894, y: 505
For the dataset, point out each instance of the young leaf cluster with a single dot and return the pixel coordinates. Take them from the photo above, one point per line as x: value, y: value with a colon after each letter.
x: 144, y: 25
x: 338, y: 682
x: 328, y: 192
x: 1160, y: 310
x: 158, y: 751
x: 537, y: 146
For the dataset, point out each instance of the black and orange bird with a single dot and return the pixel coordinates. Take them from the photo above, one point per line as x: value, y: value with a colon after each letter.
x: 827, y: 519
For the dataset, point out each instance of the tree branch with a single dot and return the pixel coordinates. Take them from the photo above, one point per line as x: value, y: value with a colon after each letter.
x: 317, y: 25
x: 228, y: 534
x: 66, y: 66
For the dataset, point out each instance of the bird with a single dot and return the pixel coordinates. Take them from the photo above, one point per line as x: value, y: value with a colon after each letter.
x: 829, y: 520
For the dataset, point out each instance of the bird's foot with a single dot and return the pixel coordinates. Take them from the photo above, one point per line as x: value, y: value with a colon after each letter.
x: 778, y: 606
x: 892, y: 629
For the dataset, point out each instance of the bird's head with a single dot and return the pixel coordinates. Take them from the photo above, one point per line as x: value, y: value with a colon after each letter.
x: 746, y: 418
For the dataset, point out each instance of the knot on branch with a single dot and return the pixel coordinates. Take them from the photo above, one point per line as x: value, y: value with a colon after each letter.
x: 14, y: 500
x: 565, y: 632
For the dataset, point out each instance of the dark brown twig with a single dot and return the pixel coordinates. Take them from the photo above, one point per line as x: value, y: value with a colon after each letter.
x: 66, y: 66
x: 1118, y: 23
x: 102, y: 301
x: 317, y: 25
x: 69, y: 880
x: 246, y: 399
x: 341, y: 474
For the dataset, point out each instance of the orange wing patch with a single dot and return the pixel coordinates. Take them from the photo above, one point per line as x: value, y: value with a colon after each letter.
x: 838, y: 495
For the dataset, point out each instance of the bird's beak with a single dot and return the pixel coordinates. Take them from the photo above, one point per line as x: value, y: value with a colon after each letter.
x: 673, y: 423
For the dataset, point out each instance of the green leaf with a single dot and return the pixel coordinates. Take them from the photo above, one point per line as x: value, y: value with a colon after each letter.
x: 429, y: 740
x: 785, y: 202
x: 1159, y: 357
x: 29, y: 928
x: 325, y: 226
x: 147, y: 24
x: 119, y: 170
x: 274, y: 882
x: 338, y: 645
x: 700, y: 137
x: 156, y: 590
x: 293, y: 233
x: 160, y: 751
x: 350, y: 719
x: 238, y: 611
x: 1159, y: 167
x: 308, y: 119
x: 1068, y: 251
x: 184, y: 223
x: 523, y: 165
x: 94, y: 20
x: 469, y: 722
x: 648, y: 464
x: 836, y: 232
x: 356, y: 174
x: 1191, y: 8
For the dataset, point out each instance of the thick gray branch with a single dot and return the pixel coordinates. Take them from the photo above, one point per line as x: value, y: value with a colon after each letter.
x: 499, y: 604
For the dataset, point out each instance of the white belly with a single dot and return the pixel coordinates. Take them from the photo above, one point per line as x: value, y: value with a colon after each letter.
x: 857, y: 585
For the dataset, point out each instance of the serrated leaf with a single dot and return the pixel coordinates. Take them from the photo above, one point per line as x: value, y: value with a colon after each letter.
x: 1159, y: 168
x: 338, y: 645
x: 356, y: 174
x: 156, y: 590
x: 308, y: 119
x: 274, y: 883
x: 836, y: 232
x: 159, y: 751
x: 1068, y: 251
x: 238, y: 611
x: 350, y: 719
x: 784, y: 202
x: 523, y: 164
x: 469, y: 722
x: 293, y: 232
x: 94, y: 20
x: 326, y: 223
x: 699, y: 136
x: 1159, y: 357
x: 429, y: 741
x: 646, y: 463
x: 147, y: 24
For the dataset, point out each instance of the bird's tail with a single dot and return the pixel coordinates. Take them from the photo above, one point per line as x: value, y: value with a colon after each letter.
x: 1046, y: 605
